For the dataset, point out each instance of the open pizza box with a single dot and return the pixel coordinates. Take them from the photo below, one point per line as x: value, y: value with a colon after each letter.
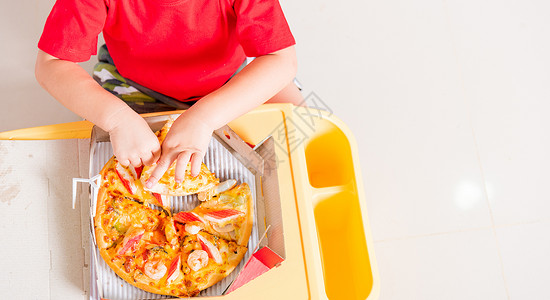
x: 314, y: 209
x: 229, y: 157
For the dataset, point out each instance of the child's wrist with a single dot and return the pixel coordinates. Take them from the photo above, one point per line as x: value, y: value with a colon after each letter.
x: 120, y: 116
x: 198, y: 117
x: 208, y: 113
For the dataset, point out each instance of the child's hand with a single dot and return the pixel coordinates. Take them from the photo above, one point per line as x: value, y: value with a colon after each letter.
x: 134, y: 143
x: 187, y: 141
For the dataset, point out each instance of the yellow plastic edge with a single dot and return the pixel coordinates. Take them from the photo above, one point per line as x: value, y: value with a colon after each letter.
x: 375, y: 292
x: 306, y: 194
x: 71, y: 130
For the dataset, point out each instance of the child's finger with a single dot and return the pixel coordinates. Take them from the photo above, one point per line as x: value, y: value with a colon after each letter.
x: 196, y: 162
x: 135, y: 161
x: 156, y: 155
x: 148, y: 159
x: 123, y: 161
x: 163, y: 164
x: 152, y: 154
x: 181, y: 165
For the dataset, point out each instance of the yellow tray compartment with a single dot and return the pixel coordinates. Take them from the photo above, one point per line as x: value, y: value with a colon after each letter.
x: 328, y: 156
x: 344, y: 252
x: 333, y: 212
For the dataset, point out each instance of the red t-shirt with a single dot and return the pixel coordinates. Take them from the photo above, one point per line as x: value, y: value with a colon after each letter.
x: 181, y: 48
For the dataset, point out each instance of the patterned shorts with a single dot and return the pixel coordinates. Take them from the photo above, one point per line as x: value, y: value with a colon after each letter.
x: 138, y: 97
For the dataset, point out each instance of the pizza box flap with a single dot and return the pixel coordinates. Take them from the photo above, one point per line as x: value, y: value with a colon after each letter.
x: 41, y: 233
x: 271, y: 198
x: 261, y: 261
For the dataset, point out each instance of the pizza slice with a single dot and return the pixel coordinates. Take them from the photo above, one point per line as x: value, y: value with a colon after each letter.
x: 167, y: 184
x: 209, y: 260
x: 118, y: 210
x: 145, y: 259
x: 126, y: 181
x: 139, y: 243
x: 228, y: 215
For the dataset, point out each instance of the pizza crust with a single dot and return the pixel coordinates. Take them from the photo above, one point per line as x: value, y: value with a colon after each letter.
x: 233, y: 261
x: 246, y: 227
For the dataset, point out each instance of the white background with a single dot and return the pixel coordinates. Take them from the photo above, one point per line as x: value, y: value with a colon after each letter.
x: 449, y: 103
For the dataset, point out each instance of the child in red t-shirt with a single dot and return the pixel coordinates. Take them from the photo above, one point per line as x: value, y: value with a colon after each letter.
x: 185, y: 49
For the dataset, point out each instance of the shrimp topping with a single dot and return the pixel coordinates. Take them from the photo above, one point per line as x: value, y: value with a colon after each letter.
x: 197, y: 260
x: 226, y: 228
x: 192, y: 229
x: 155, y: 269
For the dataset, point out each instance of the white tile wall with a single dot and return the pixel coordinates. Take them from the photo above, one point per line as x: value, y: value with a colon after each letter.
x: 461, y: 265
x: 524, y: 250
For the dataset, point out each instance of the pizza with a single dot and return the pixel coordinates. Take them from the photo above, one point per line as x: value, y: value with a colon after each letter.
x: 179, y: 254
x: 167, y: 184
x: 163, y: 252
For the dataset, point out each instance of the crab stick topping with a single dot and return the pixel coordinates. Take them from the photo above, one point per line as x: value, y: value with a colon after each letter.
x: 212, y: 251
x: 131, y: 239
x: 138, y: 171
x: 223, y: 216
x: 175, y: 269
x: 162, y: 200
x: 128, y: 177
x: 186, y: 217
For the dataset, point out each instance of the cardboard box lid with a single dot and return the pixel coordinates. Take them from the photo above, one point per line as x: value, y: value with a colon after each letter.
x: 41, y: 233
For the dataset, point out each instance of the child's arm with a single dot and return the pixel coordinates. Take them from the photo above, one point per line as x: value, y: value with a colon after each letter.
x: 133, y: 141
x: 190, y: 134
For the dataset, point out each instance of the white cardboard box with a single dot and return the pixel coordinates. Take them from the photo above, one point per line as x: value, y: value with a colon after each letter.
x: 42, y: 256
